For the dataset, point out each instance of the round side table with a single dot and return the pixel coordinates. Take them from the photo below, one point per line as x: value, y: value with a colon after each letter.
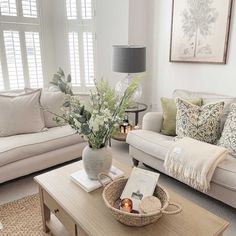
x: 136, y: 110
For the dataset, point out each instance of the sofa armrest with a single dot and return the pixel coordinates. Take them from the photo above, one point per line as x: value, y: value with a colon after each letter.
x: 152, y: 121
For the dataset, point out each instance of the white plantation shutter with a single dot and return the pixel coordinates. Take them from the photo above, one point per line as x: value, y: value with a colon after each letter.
x: 8, y: 7
x: 1, y: 78
x: 86, y: 9
x: 71, y: 9
x: 88, y: 58
x: 74, y: 57
x: 20, y: 38
x: 29, y: 8
x: 14, y: 59
x: 34, y: 59
x: 81, y: 42
x: 21, y: 47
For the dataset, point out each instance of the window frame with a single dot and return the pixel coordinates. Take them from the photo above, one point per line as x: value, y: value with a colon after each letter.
x: 21, y: 24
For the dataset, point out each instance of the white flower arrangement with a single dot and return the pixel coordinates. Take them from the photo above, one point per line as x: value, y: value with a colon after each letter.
x: 100, y: 120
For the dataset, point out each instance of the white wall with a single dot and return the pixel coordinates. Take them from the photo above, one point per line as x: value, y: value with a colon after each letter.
x: 138, y: 35
x: 111, y: 28
x: 166, y: 76
x: 59, y: 35
x: 48, y: 55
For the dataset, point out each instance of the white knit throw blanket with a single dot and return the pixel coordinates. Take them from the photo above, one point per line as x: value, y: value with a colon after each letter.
x: 194, y: 162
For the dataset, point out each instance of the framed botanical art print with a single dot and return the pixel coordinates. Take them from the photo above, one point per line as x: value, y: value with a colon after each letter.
x: 200, y: 31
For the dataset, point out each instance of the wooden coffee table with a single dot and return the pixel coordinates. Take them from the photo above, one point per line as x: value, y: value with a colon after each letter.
x: 68, y: 210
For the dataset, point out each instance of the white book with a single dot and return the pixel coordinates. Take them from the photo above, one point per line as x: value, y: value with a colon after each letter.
x: 140, y: 184
x: 80, y: 177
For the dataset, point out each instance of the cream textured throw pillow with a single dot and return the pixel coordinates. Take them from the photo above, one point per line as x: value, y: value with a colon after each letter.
x: 228, y: 136
x: 20, y: 114
x: 53, y: 102
x: 201, y: 123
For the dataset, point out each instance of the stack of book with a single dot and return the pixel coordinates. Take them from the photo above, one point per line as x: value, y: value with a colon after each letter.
x: 80, y: 177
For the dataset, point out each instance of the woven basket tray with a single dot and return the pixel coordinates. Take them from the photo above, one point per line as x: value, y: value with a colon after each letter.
x: 112, y: 193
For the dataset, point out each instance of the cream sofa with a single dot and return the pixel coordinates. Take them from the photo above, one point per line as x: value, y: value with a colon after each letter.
x: 23, y: 154
x: 150, y: 147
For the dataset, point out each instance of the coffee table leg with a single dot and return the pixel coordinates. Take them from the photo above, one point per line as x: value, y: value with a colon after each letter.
x: 45, y: 212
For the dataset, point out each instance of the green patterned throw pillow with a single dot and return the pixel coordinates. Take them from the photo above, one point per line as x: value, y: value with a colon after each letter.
x: 228, y: 136
x: 169, y: 114
x: 201, y: 123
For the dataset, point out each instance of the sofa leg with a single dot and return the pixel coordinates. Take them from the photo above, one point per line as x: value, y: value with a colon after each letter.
x: 135, y: 162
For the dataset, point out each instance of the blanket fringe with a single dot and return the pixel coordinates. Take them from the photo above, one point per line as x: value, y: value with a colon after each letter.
x: 187, y: 174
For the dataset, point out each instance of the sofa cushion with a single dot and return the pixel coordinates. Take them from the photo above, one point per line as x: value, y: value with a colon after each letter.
x: 201, y: 123
x: 19, y: 147
x: 21, y: 114
x: 225, y: 173
x: 208, y: 98
x: 228, y: 136
x: 157, y: 145
x: 153, y: 143
x: 13, y: 92
x: 169, y: 114
x: 53, y: 102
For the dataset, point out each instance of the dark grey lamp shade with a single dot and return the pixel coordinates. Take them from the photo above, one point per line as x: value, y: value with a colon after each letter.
x: 129, y: 59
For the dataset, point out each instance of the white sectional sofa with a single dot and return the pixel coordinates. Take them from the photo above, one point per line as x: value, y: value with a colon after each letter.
x: 150, y: 147
x: 23, y: 154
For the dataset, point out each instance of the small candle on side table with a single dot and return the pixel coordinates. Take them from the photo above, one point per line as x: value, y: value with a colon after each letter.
x: 126, y: 205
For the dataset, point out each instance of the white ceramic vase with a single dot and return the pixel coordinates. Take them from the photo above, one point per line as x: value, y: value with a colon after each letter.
x: 96, y: 161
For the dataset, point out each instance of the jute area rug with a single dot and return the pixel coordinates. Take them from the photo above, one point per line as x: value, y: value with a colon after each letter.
x: 22, y: 217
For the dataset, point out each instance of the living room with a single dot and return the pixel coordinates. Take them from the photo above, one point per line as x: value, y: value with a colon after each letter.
x: 139, y: 91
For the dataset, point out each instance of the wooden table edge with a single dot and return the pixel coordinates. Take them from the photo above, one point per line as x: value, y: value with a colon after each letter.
x: 223, y: 228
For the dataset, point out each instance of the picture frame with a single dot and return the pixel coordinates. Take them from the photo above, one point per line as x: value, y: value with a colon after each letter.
x: 200, y: 31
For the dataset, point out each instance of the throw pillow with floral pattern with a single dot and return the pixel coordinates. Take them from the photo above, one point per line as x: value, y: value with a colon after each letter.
x: 228, y: 136
x: 198, y: 122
